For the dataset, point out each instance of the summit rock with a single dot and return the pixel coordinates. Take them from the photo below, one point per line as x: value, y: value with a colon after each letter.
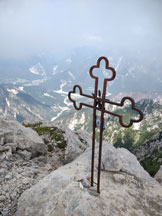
x: 126, y: 189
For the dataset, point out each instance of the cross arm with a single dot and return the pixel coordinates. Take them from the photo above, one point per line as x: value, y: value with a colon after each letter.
x: 81, y: 94
x: 121, y: 104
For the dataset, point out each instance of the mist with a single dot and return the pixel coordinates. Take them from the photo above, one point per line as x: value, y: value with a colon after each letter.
x: 28, y: 27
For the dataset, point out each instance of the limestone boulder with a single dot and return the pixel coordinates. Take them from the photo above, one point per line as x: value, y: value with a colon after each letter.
x: 76, y: 142
x: 15, y: 135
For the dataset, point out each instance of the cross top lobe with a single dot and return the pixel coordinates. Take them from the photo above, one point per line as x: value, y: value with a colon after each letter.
x: 91, y: 72
x: 106, y: 67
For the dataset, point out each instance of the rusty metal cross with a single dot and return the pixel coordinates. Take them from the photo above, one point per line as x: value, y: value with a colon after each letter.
x: 99, y: 101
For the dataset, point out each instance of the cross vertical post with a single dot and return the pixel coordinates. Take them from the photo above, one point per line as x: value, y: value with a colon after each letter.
x: 99, y: 104
x: 94, y: 128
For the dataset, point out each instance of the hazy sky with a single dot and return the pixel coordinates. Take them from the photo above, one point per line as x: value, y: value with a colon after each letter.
x: 32, y: 26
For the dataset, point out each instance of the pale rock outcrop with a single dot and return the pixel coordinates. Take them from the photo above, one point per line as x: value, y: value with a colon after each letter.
x: 126, y: 189
x: 13, y: 134
x: 24, y: 160
x: 76, y: 142
x: 18, y: 146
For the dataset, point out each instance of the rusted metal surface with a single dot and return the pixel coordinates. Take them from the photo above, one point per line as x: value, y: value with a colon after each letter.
x: 99, y: 101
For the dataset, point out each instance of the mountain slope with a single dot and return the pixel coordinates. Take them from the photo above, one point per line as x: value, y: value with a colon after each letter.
x: 32, y: 102
x: 150, y: 154
x: 114, y: 133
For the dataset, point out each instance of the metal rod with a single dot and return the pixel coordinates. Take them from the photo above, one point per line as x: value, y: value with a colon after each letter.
x: 101, y: 134
x: 93, y: 146
x: 94, y: 131
x: 100, y: 154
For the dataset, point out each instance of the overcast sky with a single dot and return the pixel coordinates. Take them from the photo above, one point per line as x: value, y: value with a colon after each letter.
x: 33, y: 26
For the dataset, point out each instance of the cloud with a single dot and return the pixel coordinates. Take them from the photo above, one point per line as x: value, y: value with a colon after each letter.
x: 95, y: 38
x: 33, y: 26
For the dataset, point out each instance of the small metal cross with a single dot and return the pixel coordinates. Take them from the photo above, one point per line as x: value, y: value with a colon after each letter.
x: 99, y: 101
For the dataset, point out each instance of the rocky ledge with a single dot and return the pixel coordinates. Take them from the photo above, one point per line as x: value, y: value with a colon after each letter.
x: 126, y: 189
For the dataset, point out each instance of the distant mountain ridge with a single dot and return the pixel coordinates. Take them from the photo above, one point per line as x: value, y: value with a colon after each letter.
x: 135, y: 72
x: 32, y: 102
x: 137, y: 96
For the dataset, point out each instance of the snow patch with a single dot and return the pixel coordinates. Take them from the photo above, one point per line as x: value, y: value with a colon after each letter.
x: 21, y: 88
x: 14, y: 91
x: 72, y: 75
x: 54, y: 69
x: 38, y: 69
x: 48, y: 95
x: 60, y: 91
x: 62, y: 109
x: 66, y: 99
x: 137, y: 126
x: 116, y: 68
x: 8, y: 103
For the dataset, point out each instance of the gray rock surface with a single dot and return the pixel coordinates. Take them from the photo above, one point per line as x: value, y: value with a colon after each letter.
x: 126, y: 189
x: 24, y: 160
x: 25, y: 154
x: 158, y: 175
x: 18, y: 145
x: 76, y: 142
x: 76, y: 146
x: 23, y: 138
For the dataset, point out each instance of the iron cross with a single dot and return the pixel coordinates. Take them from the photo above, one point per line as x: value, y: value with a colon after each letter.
x: 99, y: 101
